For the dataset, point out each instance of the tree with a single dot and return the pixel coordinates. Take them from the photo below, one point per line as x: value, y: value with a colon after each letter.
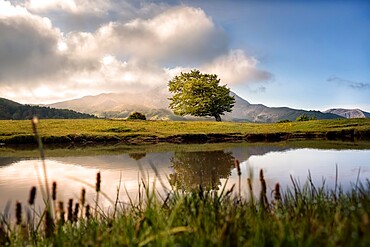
x: 136, y: 116
x: 305, y: 117
x: 199, y: 95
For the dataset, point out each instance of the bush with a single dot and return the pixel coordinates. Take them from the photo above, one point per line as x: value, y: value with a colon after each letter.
x: 305, y: 117
x: 284, y: 121
x: 136, y: 116
x: 302, y: 117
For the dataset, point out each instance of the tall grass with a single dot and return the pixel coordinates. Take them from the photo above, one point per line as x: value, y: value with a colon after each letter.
x: 301, y: 215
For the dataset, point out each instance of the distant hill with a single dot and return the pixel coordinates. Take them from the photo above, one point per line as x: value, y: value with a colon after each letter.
x: 16, y: 111
x: 349, y: 113
x: 244, y: 111
x: 154, y: 104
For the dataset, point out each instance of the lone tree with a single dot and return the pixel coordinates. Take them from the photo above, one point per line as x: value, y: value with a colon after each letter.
x: 199, y: 95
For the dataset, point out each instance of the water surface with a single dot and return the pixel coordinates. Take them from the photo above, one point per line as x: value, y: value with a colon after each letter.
x: 183, y: 166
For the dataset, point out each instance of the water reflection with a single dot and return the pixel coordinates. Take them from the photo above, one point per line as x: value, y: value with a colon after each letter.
x: 206, y: 165
x: 205, y: 169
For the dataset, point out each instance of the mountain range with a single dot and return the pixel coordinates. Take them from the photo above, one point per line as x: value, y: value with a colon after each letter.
x: 154, y: 104
x: 349, y: 113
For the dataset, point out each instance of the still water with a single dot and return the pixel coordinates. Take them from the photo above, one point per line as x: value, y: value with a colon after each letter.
x: 183, y: 166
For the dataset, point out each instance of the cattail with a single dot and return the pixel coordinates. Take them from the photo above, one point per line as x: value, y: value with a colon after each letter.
x: 75, y: 213
x: 18, y: 213
x: 49, y: 224
x: 70, y: 210
x: 277, y: 192
x: 87, y: 211
x: 61, y: 213
x: 31, y: 200
x: 263, y: 182
x: 54, y: 191
x: 97, y: 188
x: 83, y: 196
x: 98, y: 182
x: 237, y: 166
x: 263, y: 198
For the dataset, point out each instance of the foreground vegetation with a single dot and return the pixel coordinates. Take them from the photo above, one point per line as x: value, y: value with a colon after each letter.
x: 300, y: 216
x: 139, y: 132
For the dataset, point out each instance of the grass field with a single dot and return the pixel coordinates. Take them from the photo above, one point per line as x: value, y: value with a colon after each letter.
x: 101, y: 130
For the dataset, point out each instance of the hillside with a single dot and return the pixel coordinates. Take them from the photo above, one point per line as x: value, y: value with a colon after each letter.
x: 15, y: 111
x: 349, y: 113
x: 244, y: 111
x: 154, y: 104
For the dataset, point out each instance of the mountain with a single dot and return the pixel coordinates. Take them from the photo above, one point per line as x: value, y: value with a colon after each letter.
x: 154, y: 104
x: 244, y: 111
x: 349, y: 113
x: 16, y: 111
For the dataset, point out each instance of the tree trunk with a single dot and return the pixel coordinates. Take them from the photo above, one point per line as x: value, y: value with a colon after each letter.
x: 218, y: 118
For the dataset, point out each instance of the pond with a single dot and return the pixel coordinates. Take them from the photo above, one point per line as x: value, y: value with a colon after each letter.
x: 124, y: 168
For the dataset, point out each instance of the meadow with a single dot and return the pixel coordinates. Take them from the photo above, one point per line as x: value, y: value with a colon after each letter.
x: 146, y: 132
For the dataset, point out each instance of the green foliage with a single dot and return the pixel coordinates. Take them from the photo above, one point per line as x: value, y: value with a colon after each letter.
x: 305, y: 117
x: 136, y: 116
x: 200, y: 95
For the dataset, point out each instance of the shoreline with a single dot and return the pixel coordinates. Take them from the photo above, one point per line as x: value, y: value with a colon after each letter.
x: 140, y: 139
x: 98, y: 131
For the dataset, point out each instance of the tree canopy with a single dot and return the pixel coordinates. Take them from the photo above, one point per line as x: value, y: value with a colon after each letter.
x: 200, y: 95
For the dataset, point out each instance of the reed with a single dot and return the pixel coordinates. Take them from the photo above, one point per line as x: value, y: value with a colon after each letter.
x: 97, y: 189
x: 202, y: 218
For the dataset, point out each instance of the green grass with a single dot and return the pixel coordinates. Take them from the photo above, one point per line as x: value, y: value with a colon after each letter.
x: 138, y: 132
x: 301, y: 216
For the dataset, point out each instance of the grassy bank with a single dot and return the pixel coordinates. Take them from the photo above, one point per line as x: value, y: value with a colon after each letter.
x: 302, y: 216
x: 141, y: 132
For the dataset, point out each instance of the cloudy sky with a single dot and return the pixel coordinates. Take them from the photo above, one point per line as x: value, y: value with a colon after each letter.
x: 307, y: 55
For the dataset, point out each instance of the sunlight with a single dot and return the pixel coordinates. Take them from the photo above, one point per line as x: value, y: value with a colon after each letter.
x: 42, y: 91
x: 108, y: 59
x: 62, y: 46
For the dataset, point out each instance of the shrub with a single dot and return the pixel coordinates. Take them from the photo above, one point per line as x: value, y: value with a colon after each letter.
x: 136, y: 116
x: 302, y: 117
x: 284, y: 121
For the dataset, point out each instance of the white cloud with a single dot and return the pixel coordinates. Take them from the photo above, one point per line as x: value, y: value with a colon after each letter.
x: 74, y: 6
x: 180, y: 35
x: 41, y: 63
x: 236, y: 68
x: 27, y: 46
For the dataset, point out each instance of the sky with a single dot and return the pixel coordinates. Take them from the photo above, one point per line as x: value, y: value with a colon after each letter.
x: 311, y: 55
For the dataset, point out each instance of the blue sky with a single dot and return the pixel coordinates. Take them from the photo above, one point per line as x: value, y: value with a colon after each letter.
x: 300, y: 54
x: 317, y: 51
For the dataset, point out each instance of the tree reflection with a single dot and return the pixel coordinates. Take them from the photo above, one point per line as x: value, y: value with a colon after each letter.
x: 193, y: 169
x: 137, y: 156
